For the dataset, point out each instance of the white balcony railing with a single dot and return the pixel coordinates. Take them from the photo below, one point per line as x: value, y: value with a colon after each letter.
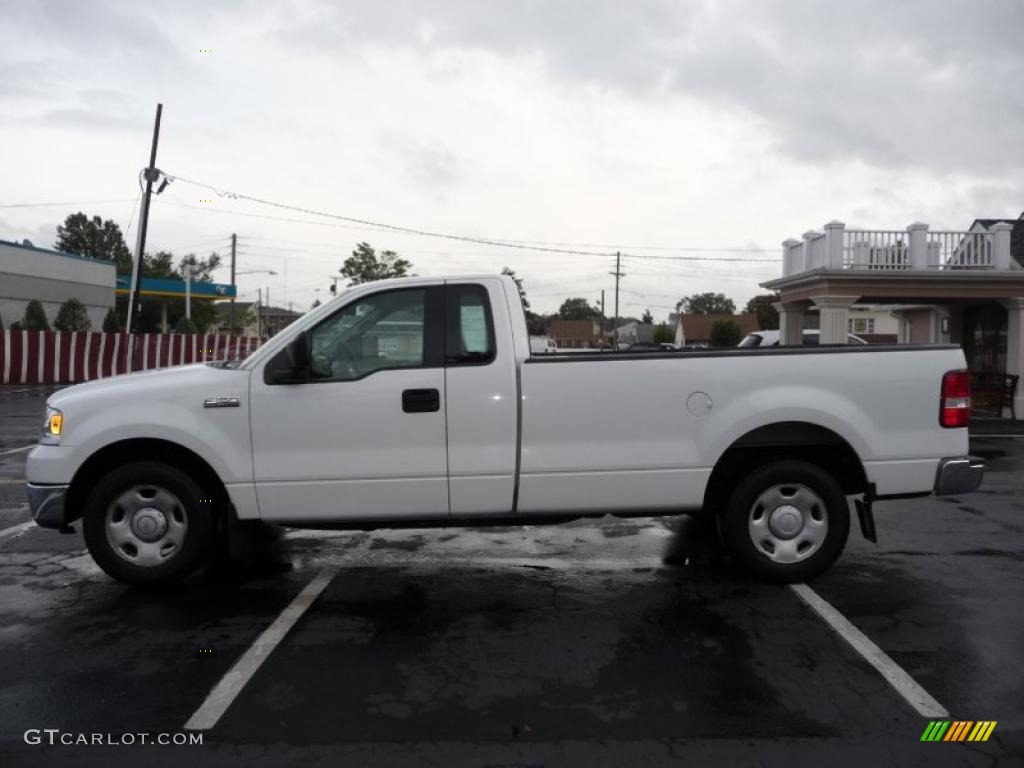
x: 915, y: 248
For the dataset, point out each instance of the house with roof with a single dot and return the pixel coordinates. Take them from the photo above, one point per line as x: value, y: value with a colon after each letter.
x: 695, y: 330
x: 962, y: 287
x: 635, y: 332
x: 576, y: 334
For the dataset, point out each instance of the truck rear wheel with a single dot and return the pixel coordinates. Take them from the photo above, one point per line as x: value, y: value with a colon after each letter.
x: 787, y: 521
x: 144, y: 524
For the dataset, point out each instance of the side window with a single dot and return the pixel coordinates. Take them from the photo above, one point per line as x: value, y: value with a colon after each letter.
x: 469, y: 331
x: 385, y: 330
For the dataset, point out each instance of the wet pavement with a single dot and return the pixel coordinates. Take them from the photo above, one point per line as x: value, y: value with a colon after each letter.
x: 563, y: 645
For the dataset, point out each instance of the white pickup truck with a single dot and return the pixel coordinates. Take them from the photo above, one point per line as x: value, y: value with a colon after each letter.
x: 416, y: 402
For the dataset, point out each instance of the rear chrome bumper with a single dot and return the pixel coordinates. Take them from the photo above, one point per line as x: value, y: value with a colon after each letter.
x: 962, y: 474
x: 47, y: 504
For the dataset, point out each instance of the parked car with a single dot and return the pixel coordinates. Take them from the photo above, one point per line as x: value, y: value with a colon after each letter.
x: 414, y: 402
x: 542, y: 345
x: 771, y: 339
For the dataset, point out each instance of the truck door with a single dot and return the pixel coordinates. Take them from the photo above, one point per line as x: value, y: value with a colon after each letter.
x: 481, y: 392
x: 364, y: 435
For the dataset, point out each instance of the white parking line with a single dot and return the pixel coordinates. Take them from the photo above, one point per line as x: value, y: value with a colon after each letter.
x: 18, y: 450
x: 225, y: 692
x: 893, y: 673
x: 14, y: 530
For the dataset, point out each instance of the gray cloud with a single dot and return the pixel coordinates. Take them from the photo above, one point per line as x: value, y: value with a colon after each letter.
x: 433, y: 166
x: 913, y: 84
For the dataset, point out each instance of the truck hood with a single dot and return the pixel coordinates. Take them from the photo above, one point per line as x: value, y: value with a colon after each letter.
x: 181, y: 382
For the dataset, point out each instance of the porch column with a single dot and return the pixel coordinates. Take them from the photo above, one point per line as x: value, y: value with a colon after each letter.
x: 835, y: 318
x: 1001, y: 245
x: 917, y: 236
x: 834, y: 244
x: 902, y: 337
x: 791, y: 323
x: 1015, y: 348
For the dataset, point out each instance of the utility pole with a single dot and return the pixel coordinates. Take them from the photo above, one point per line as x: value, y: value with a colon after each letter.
x: 602, y: 317
x: 188, y: 290
x: 259, y: 313
x: 231, y: 307
x: 618, y: 273
x: 151, y: 174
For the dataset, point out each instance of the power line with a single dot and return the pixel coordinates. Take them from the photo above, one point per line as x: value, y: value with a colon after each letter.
x: 699, y: 258
x: 67, y: 202
x: 383, y: 226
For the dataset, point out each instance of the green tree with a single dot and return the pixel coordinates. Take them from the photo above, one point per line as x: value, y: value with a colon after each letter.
x: 767, y: 315
x: 111, y: 322
x: 159, y: 264
x: 35, y: 317
x: 578, y: 309
x: 519, y: 284
x: 95, y: 237
x: 536, y: 325
x: 365, y: 265
x: 707, y: 304
x: 647, y: 318
x: 184, y: 325
x: 663, y: 334
x: 72, y: 317
x: 725, y: 333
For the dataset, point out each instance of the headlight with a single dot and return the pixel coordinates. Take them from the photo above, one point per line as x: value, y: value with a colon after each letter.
x: 52, y: 427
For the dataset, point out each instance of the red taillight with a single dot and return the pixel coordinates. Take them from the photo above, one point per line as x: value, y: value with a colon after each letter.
x: 955, y: 406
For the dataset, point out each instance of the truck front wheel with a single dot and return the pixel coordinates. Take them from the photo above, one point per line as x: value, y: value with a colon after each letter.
x: 787, y: 521
x: 145, y: 523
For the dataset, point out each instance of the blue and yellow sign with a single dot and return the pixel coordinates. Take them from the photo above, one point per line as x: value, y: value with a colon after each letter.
x: 175, y: 289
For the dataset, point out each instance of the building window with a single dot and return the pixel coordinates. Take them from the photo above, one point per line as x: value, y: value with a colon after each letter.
x: 862, y: 325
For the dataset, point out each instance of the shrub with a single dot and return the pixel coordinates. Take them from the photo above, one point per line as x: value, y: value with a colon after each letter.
x: 72, y: 317
x: 184, y: 325
x: 663, y: 334
x: 35, y: 317
x: 725, y: 333
x: 111, y: 323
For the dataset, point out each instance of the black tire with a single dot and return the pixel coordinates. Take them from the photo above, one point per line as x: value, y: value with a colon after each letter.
x: 176, y: 501
x: 762, y: 543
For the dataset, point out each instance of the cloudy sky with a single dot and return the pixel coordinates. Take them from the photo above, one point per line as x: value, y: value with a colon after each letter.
x: 666, y: 129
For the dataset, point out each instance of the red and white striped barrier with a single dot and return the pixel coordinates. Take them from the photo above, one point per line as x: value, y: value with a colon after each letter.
x: 58, y: 357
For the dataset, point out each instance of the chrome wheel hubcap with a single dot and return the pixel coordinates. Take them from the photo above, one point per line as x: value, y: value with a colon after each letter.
x: 788, y: 523
x: 146, y: 525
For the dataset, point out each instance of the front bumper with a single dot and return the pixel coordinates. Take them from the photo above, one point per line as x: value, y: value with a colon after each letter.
x: 47, y: 504
x: 962, y: 474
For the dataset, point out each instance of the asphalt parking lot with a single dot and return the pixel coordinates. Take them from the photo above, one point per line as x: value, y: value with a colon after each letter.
x: 571, y: 645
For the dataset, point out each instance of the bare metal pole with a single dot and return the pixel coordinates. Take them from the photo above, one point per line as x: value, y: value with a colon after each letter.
x: 231, y: 307
x: 151, y: 174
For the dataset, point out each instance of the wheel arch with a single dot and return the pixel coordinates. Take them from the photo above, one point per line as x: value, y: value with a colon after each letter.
x: 131, y: 450
x: 779, y: 441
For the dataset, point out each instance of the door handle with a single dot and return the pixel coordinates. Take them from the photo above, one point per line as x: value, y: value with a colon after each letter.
x: 421, y: 400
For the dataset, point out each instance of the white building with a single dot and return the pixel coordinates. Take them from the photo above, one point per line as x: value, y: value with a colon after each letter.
x: 52, y: 277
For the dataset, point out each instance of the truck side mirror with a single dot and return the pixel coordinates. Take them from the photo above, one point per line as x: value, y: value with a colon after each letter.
x: 297, y: 353
x: 291, y: 364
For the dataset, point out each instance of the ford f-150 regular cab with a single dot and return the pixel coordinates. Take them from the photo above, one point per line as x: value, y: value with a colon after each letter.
x: 416, y: 402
